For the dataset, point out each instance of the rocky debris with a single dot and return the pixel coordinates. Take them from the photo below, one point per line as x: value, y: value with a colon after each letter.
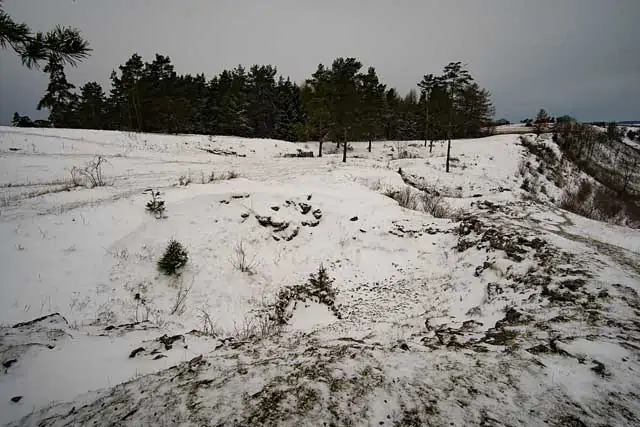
x: 300, y: 153
x: 292, y: 233
x: 43, y: 332
x: 402, y: 230
x: 279, y: 226
x: 156, y: 347
x: 305, y: 208
x: 135, y: 352
x: 222, y: 152
x: 491, y: 238
x: 54, y: 318
x: 7, y: 364
x: 127, y: 327
x: 286, y: 229
x: 168, y: 341
x: 264, y: 221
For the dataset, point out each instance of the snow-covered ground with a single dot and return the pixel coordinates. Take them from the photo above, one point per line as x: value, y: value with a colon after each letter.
x: 509, y: 312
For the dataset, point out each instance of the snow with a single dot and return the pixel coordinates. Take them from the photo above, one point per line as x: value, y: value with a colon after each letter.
x: 426, y: 328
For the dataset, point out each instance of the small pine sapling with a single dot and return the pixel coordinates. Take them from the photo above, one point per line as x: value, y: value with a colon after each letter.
x: 156, y: 204
x: 175, y: 257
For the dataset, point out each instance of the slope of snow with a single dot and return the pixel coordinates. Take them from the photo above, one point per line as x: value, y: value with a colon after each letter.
x: 515, y: 312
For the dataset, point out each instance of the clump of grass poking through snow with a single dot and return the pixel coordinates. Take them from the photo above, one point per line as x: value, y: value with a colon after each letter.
x: 175, y: 257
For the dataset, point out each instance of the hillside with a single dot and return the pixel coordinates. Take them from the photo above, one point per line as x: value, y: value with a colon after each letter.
x: 502, y: 309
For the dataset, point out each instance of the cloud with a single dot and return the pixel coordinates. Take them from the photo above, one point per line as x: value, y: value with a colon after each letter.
x: 574, y: 56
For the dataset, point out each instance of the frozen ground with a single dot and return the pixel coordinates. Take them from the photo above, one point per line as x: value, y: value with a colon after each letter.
x: 513, y: 312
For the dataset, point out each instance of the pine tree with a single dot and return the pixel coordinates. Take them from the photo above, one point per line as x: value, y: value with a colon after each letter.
x: 372, y: 105
x: 455, y: 79
x: 344, y: 97
x: 21, y: 121
x: 65, y: 44
x: 262, y: 98
x: 476, y: 111
x: 59, y: 98
x: 541, y: 121
x: 91, y: 110
x: 316, y: 98
x: 175, y: 257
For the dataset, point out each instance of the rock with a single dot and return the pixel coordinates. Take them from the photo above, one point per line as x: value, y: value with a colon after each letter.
x: 353, y: 218
x: 313, y: 223
x: 224, y: 202
x: 135, y: 352
x: 279, y: 226
x: 539, y: 349
x: 16, y: 399
x: 300, y: 153
x: 9, y: 362
x: 362, y: 230
x: 317, y: 214
x: 51, y: 318
x: 293, y: 234
x: 244, y: 215
x: 168, y: 341
x: 276, y: 238
x: 309, y: 197
x: 264, y: 221
x: 159, y: 356
x: 275, y: 208
x: 305, y: 208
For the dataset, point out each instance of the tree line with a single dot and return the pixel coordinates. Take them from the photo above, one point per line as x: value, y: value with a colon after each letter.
x: 341, y: 102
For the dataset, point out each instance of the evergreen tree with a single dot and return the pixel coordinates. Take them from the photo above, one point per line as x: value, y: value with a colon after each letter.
x: 289, y: 111
x: 91, y: 110
x: 372, y: 105
x: 317, y: 102
x: 59, y: 98
x: 541, y: 121
x: 476, y: 111
x: 21, y: 121
x: 455, y: 79
x: 65, y: 44
x: 344, y: 97
x: 391, y: 113
x: 262, y: 98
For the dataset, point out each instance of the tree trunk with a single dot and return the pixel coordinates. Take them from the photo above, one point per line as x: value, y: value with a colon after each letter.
x: 344, y: 149
x: 320, y: 148
x: 430, y: 146
x: 450, y: 131
x: 369, y: 144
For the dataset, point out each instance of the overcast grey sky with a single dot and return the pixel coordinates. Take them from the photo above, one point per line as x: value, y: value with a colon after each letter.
x: 578, y: 57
